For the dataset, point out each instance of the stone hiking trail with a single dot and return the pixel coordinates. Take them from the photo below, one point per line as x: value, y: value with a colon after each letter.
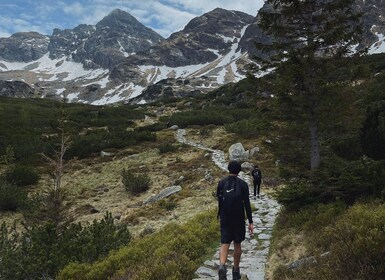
x: 255, y: 248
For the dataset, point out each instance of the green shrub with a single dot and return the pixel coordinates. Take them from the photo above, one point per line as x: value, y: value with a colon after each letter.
x: 175, y: 252
x: 135, y: 184
x: 355, y: 246
x: 168, y: 204
x: 348, y: 147
x: 166, y: 148
x: 207, y: 116
x: 248, y: 128
x: 93, y: 142
x: 22, y: 175
x: 153, y: 127
x: 311, y: 218
x: 297, y: 194
x: 11, y: 196
x: 373, y: 131
x: 40, y: 252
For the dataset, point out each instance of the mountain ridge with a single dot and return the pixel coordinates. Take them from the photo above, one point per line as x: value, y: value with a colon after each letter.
x: 121, y: 60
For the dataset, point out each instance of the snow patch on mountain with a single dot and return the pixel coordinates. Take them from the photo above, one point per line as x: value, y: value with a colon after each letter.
x: 55, y: 69
x: 158, y: 73
x: 379, y: 46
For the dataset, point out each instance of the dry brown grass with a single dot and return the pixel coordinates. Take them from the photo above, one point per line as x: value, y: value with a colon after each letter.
x: 94, y: 185
x: 286, y: 249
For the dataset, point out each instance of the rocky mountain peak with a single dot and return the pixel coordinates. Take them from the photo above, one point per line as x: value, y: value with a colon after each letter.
x: 23, y: 46
x: 121, y: 19
x: 115, y: 37
x: 218, y: 20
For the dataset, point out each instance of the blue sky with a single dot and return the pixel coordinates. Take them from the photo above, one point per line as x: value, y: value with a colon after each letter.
x: 163, y: 16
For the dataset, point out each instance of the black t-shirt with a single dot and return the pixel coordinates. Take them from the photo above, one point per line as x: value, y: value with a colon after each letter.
x: 240, y: 200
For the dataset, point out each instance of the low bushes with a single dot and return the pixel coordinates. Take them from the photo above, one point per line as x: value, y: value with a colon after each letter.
x: 22, y: 175
x: 353, y: 243
x: 166, y: 148
x: 201, y: 117
x: 336, y: 180
x: 41, y: 251
x: 175, y: 252
x: 135, y: 184
x: 12, y: 197
x: 248, y: 128
x: 94, y: 142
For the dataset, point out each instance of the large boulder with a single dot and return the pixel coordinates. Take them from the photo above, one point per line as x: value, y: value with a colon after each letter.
x: 237, y: 152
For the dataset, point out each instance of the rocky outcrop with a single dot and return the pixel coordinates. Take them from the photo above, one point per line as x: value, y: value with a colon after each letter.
x: 372, y: 22
x: 115, y: 37
x: 163, y: 194
x: 199, y: 42
x: 16, y: 89
x: 23, y: 47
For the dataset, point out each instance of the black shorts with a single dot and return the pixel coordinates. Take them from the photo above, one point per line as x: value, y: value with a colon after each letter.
x: 236, y: 233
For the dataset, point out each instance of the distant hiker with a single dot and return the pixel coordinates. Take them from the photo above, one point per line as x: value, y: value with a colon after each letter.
x: 257, y: 179
x: 233, y: 200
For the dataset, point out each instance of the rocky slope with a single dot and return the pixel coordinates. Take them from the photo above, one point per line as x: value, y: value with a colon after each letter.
x: 119, y: 59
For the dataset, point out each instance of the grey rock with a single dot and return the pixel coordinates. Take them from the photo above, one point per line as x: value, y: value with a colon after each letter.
x: 237, y: 152
x: 204, y: 271
x: 247, y: 166
x: 298, y: 263
x: 174, y: 127
x: 163, y: 194
x: 16, y: 89
x: 106, y: 154
x: 254, y: 152
x: 147, y: 230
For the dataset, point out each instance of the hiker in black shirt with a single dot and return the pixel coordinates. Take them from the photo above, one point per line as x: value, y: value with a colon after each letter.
x: 233, y: 201
x: 257, y: 180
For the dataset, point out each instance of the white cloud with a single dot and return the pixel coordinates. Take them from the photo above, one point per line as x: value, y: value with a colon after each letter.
x: 4, y: 34
x: 74, y: 9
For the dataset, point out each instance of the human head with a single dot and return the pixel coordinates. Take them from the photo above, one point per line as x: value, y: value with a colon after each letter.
x: 234, y: 167
x: 256, y: 166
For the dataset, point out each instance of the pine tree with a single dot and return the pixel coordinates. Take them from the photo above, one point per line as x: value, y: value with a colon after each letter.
x: 309, y: 38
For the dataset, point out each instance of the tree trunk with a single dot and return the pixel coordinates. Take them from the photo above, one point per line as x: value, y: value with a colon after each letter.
x: 315, y: 157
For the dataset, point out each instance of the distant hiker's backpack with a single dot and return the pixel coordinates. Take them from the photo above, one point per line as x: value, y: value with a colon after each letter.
x: 256, y: 175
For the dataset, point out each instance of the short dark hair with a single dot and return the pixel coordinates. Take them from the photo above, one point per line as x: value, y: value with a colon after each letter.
x: 234, y: 167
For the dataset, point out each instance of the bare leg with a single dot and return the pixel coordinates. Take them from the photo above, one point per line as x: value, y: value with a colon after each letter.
x: 237, y: 255
x: 223, y: 253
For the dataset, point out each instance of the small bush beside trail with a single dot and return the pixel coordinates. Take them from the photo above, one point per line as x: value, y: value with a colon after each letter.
x: 135, y: 184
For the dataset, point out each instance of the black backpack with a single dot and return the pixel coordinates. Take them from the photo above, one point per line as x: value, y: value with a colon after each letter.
x: 229, y: 197
x: 256, y: 175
